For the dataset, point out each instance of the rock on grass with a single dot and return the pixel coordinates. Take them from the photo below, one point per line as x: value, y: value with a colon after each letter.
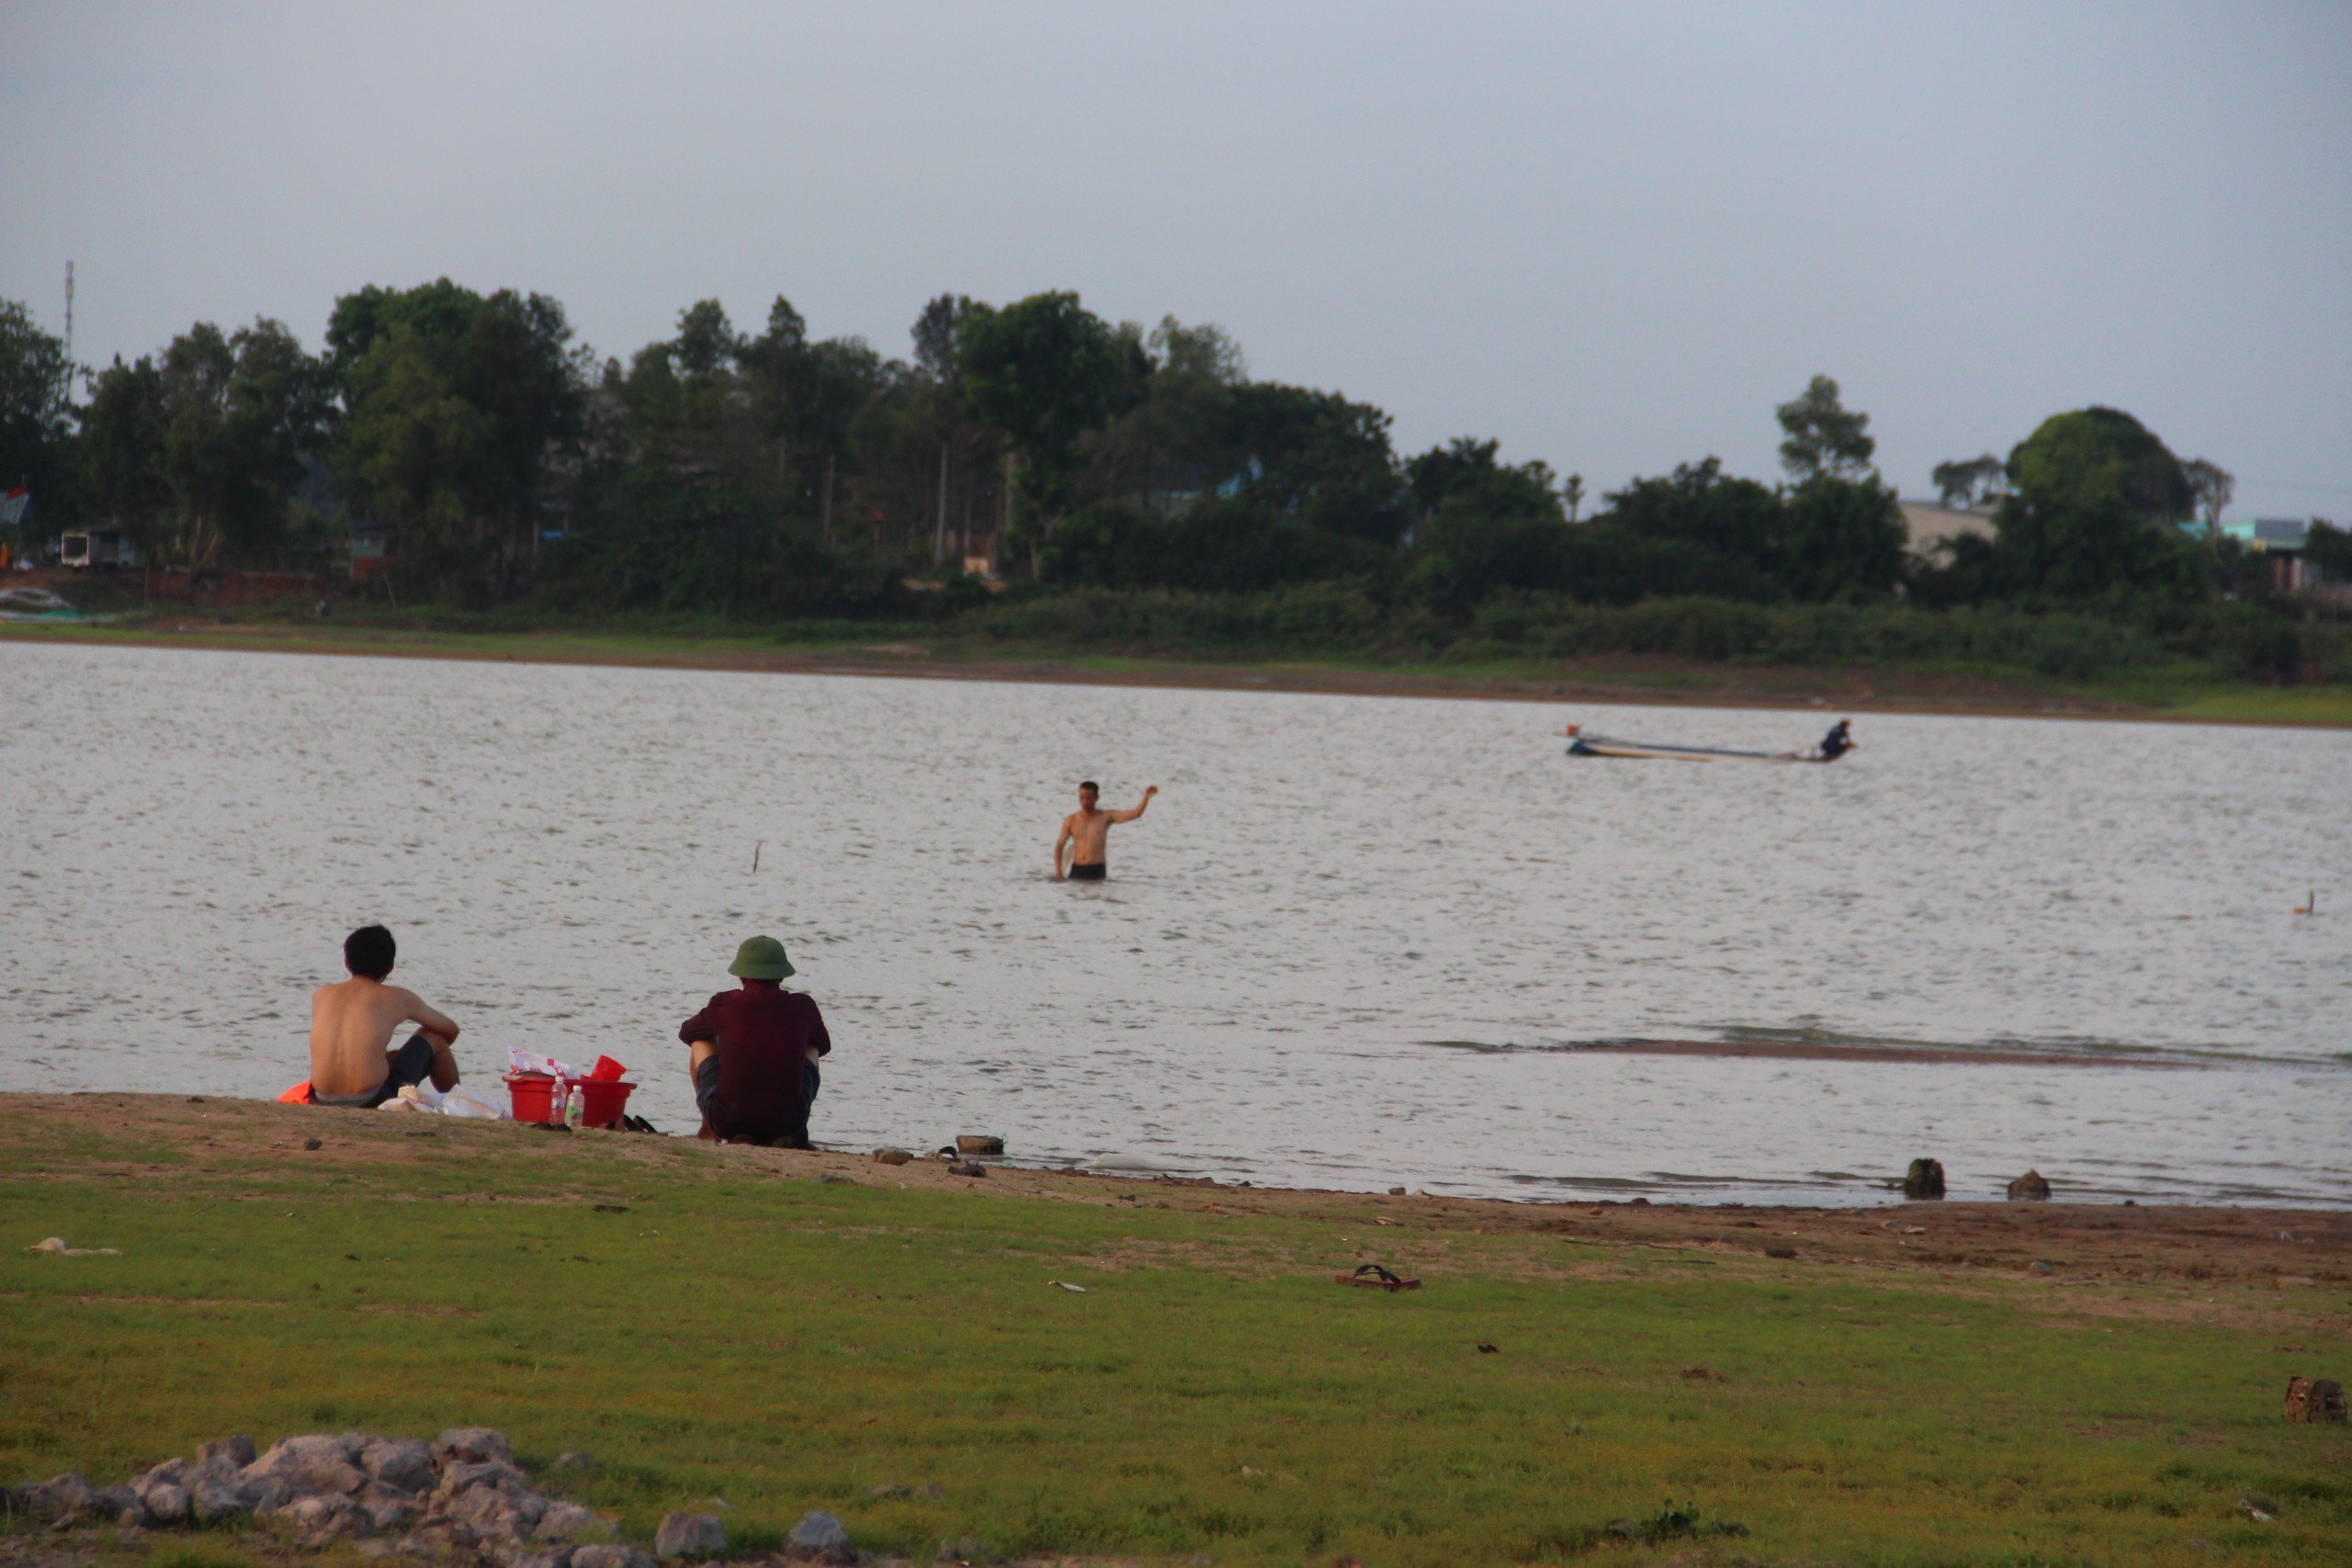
x: 821, y: 1536
x: 685, y: 1534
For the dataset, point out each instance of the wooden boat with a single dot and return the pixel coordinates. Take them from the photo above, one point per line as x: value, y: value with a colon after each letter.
x: 1583, y: 745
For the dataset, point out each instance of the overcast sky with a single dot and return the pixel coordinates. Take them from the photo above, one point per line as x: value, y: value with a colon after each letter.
x: 1612, y: 236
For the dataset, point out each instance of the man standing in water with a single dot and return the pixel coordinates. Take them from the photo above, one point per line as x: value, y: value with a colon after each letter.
x: 1084, y: 831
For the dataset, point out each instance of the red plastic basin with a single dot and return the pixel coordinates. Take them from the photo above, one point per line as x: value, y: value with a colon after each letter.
x: 603, y: 1101
x: 533, y: 1098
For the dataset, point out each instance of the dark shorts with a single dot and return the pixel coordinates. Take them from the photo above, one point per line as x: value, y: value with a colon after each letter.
x: 412, y: 1063
x: 1094, y: 872
x: 707, y: 1086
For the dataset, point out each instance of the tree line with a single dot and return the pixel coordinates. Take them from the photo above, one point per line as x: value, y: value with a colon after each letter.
x: 768, y: 472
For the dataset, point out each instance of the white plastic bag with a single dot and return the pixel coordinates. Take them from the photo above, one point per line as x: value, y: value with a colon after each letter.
x: 532, y: 1061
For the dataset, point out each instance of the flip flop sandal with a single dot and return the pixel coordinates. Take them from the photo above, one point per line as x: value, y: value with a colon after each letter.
x: 1372, y: 1274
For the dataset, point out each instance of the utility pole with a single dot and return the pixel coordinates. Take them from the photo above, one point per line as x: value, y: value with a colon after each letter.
x: 69, y: 313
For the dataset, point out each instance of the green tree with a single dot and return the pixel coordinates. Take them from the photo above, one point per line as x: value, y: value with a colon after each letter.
x: 1821, y: 436
x: 1840, y: 539
x: 1482, y: 525
x: 2212, y: 486
x: 1965, y: 481
x: 198, y: 456
x: 1699, y: 505
x: 458, y: 409
x: 1317, y: 457
x: 36, y: 414
x: 122, y: 435
x: 1043, y: 372
x: 2094, y: 504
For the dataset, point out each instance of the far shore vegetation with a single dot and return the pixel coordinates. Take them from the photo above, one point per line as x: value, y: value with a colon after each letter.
x: 1033, y: 478
x: 1890, y: 658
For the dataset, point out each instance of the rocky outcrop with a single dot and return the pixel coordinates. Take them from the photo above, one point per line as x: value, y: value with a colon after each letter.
x: 1924, y: 1180
x: 2031, y: 1187
x: 462, y: 1501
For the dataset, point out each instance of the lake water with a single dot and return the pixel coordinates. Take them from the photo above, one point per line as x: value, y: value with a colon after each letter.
x: 1357, y: 942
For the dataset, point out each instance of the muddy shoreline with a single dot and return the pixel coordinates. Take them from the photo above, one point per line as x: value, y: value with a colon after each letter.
x: 1626, y: 680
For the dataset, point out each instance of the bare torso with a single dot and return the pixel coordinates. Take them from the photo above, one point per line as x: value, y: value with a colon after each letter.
x: 351, y: 1023
x: 1089, y: 834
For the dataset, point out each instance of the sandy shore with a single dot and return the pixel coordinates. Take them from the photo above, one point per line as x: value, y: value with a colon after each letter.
x: 1627, y: 679
x: 2078, y: 1243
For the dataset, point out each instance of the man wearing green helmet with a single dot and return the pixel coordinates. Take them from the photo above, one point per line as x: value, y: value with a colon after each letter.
x: 753, y: 1053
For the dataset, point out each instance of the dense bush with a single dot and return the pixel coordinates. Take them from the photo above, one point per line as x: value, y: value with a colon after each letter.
x: 1352, y: 619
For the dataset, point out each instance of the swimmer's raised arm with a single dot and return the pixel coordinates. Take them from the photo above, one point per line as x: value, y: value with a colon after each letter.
x: 1131, y: 816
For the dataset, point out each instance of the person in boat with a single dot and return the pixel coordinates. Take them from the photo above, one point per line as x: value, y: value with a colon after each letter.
x: 1838, y: 743
x: 353, y: 1060
x: 753, y: 1053
x: 1086, y: 833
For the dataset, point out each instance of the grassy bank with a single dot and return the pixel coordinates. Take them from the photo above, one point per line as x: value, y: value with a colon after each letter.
x: 2181, y: 692
x: 724, y: 1322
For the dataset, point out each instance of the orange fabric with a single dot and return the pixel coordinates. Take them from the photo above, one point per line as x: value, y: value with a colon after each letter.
x: 299, y: 1095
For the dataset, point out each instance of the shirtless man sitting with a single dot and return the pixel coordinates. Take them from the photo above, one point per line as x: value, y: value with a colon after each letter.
x: 1085, y: 831
x: 352, y: 1023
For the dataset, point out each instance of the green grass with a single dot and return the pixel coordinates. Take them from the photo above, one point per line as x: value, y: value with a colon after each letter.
x: 787, y: 1344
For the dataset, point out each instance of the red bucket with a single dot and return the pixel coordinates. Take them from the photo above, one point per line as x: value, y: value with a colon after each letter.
x: 533, y: 1096
x: 603, y: 1101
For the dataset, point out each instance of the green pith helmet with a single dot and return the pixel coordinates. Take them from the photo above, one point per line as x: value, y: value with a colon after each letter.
x: 760, y: 958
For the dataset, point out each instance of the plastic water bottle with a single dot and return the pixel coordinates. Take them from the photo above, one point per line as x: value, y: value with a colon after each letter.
x: 572, y: 1106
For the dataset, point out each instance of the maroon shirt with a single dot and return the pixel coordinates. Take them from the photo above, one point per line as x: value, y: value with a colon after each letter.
x: 763, y: 1034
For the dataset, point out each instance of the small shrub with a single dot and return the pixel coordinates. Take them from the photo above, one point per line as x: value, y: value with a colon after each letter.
x: 1673, y: 1521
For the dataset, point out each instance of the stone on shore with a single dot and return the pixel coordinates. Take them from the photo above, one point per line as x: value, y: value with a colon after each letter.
x: 212, y: 1499
x: 119, y: 1504
x: 2314, y: 1399
x: 979, y: 1144
x: 475, y: 1443
x: 819, y: 1535
x: 318, y: 1519
x: 563, y: 1521
x: 387, y: 1507
x: 967, y: 1168
x: 609, y: 1556
x: 238, y: 1450
x: 402, y: 1462
x: 466, y: 1475
x: 60, y: 1498
x: 2031, y: 1187
x: 167, y: 1502
x: 891, y: 1156
x: 1924, y: 1180
x: 685, y: 1534
x: 303, y: 1466
x: 498, y: 1513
